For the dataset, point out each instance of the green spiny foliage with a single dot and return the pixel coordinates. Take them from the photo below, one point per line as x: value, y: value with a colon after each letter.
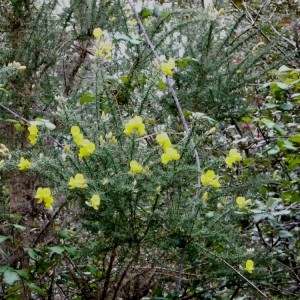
x: 148, y: 225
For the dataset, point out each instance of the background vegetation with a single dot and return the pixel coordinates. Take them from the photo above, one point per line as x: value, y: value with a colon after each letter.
x: 80, y: 219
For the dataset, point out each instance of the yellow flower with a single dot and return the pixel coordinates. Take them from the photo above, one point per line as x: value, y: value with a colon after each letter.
x: 163, y: 140
x: 133, y: 22
x: 32, y: 139
x: 97, y: 33
x: 221, y: 11
x: 212, y: 130
x: 135, y: 167
x: 112, y: 19
x: 77, y: 182
x: 22, y: 68
x: 44, y: 194
x: 33, y: 131
x: 67, y: 149
x: 75, y: 130
x: 98, y: 52
x: 87, y: 148
x: 95, y: 202
x: 102, y: 140
x: 77, y: 136
x: 105, y: 181
x: 205, y: 197
x: 168, y: 66
x: 242, y: 202
x: 233, y: 156
x: 113, y: 140
x: 170, y: 154
x: 250, y: 266
x: 24, y: 164
x: 209, y: 178
x: 135, y: 124
x: 106, y: 47
x: 108, y: 56
x: 103, y: 48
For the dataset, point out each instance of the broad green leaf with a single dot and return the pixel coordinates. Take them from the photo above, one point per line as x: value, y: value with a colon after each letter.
x: 71, y: 250
x: 282, y: 85
x: 297, y: 96
x: 270, y: 202
x: 63, y: 234
x: 284, y: 69
x: 248, y: 161
x: 295, y: 138
x: 123, y: 37
x: 286, y: 145
x: 16, y: 217
x: 247, y: 119
x: 50, y: 126
x: 87, y: 97
x: 36, y: 123
x: 284, y: 234
x: 92, y: 269
x: 10, y: 277
x: 23, y: 274
x: 4, y: 268
x: 269, y: 124
x: 37, y: 289
x: 20, y: 227
x: 3, y: 238
x: 273, y: 222
x: 279, y: 129
x: 161, y: 85
x: 287, y: 106
x: 146, y: 12
x: 12, y: 121
x: 32, y: 254
x: 274, y: 150
x: 57, y: 249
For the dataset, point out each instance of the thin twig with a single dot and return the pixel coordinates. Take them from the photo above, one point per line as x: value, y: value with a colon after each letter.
x: 178, y: 285
x: 240, y: 274
x: 13, y: 113
x: 183, y: 120
x: 174, y: 95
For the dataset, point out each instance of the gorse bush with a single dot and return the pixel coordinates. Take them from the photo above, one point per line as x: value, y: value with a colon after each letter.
x: 134, y: 171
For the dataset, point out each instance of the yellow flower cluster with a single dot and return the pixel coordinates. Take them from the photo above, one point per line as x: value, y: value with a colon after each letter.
x: 135, y: 124
x: 44, y: 194
x: 86, y: 147
x: 135, y: 167
x: 209, y: 178
x: 250, y: 266
x: 242, y: 202
x: 77, y: 182
x: 169, y: 152
x: 3, y: 150
x: 110, y: 137
x: 24, y: 164
x: 205, y: 197
x: 101, y: 48
x: 94, y: 202
x: 33, y: 131
x: 167, y: 67
x: 233, y: 156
